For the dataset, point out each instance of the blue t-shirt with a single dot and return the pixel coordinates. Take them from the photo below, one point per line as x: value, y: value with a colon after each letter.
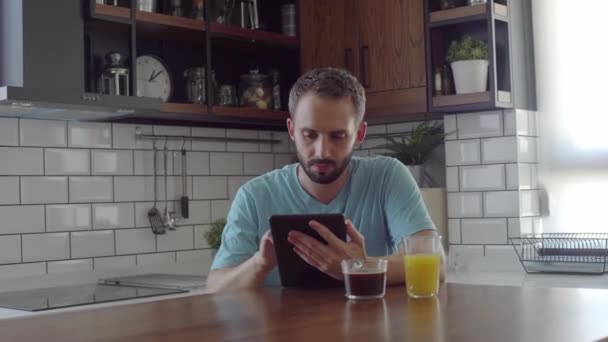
x: 380, y: 197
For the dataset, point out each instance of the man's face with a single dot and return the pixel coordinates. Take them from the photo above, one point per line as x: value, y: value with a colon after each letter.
x: 325, y: 132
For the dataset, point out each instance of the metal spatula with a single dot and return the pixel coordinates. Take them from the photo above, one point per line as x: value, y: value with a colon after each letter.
x: 154, y: 216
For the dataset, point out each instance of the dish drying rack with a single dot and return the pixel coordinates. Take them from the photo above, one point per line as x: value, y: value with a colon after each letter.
x: 563, y: 252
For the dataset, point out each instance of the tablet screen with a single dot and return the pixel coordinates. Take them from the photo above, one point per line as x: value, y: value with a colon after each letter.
x: 293, y: 271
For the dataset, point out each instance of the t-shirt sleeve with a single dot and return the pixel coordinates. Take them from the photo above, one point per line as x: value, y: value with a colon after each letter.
x: 406, y: 212
x: 240, y: 238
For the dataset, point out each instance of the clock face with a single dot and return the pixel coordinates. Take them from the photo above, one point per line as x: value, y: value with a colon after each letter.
x: 153, y: 79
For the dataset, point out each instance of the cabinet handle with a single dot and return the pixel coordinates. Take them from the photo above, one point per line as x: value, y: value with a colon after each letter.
x: 348, y: 59
x: 364, y: 61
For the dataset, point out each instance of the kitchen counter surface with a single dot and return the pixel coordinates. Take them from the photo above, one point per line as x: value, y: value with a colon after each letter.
x: 461, y: 312
x: 519, y: 279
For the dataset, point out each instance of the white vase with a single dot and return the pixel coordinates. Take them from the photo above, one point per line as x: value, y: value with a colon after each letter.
x: 470, y: 76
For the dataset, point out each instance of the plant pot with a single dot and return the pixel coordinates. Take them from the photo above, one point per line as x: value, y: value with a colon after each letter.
x: 417, y: 172
x: 470, y: 76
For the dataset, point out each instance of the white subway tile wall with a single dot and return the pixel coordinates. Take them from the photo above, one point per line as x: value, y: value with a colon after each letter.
x: 499, y: 150
x: 9, y: 131
x: 75, y: 196
x: 36, y: 190
x: 47, y: 133
x: 70, y: 266
x: 10, y: 249
x: 462, y: 152
x: 89, y: 134
x: 483, y: 177
x: 10, y: 190
x: 71, y: 162
x: 491, y: 171
x: 484, y: 231
x: 71, y: 217
x: 480, y: 125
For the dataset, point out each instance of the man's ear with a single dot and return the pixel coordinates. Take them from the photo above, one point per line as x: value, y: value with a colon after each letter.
x: 361, y: 132
x: 290, y: 128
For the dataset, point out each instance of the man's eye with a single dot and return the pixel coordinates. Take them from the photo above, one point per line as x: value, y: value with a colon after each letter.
x: 310, y: 136
x: 338, y: 136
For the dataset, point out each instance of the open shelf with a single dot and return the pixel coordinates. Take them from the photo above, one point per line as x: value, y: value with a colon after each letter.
x: 167, y: 26
x: 467, y: 13
x: 250, y: 112
x: 113, y: 11
x: 253, y: 35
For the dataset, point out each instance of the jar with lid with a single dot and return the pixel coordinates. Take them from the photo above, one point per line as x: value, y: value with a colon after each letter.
x: 195, y: 86
x: 255, y: 90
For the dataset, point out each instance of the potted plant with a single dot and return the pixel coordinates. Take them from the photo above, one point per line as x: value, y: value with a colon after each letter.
x: 469, y: 60
x: 414, y: 149
x: 214, y: 235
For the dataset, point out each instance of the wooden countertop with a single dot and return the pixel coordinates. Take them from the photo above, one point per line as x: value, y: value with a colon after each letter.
x: 461, y: 313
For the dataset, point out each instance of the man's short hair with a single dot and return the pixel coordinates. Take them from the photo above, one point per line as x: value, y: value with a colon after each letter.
x: 329, y: 83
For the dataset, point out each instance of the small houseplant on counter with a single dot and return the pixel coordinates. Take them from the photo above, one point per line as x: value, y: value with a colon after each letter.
x: 469, y: 60
x: 214, y: 235
x: 414, y: 149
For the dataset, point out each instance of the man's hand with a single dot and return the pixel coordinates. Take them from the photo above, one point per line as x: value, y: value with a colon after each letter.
x: 266, y: 256
x: 327, y: 258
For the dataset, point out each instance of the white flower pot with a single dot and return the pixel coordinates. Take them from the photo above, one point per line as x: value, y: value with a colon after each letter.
x: 470, y: 76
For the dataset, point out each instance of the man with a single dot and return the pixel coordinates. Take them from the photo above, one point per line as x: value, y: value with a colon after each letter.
x: 378, y: 196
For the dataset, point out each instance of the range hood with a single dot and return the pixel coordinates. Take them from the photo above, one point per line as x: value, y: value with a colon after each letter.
x: 42, y: 71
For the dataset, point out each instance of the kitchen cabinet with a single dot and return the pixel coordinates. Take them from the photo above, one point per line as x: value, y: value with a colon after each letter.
x: 380, y: 42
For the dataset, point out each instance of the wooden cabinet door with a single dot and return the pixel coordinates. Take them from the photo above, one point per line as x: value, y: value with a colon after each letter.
x: 328, y: 34
x: 391, y: 44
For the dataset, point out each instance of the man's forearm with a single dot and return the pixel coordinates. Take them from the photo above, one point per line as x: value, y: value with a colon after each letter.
x: 248, y: 274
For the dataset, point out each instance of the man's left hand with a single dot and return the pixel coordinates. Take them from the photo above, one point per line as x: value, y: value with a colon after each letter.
x: 327, y: 257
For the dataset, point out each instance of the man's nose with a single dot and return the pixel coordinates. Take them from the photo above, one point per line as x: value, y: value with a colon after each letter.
x: 323, y: 148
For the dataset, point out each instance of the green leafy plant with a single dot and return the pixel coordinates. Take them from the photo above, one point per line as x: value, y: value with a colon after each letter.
x: 467, y: 49
x: 415, y: 148
x: 214, y: 235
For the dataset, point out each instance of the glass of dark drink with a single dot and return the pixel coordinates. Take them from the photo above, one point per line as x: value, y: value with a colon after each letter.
x: 364, y: 279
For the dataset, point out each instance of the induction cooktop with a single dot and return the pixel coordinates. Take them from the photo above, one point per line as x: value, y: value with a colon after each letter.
x: 67, y: 296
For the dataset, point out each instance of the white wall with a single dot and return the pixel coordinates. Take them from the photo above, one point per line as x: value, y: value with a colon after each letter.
x: 572, y: 88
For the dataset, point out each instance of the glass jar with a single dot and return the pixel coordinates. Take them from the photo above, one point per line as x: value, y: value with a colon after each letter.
x: 226, y: 95
x: 195, y: 85
x: 255, y: 90
x: 114, y: 79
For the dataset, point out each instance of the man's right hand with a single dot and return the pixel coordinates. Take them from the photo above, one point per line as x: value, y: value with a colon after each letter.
x: 266, y: 256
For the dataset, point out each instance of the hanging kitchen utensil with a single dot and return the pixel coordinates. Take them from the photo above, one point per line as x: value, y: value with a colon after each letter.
x: 154, y: 216
x: 169, y: 216
x: 184, y: 199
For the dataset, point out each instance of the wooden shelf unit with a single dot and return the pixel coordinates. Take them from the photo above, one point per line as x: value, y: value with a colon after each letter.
x: 467, y: 13
x: 113, y: 11
x: 267, y: 37
x: 164, y: 21
x: 505, y: 25
x: 182, y: 43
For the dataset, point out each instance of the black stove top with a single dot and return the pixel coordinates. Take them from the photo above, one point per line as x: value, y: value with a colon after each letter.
x: 66, y: 296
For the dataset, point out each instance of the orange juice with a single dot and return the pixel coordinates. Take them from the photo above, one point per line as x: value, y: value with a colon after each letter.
x: 422, y: 274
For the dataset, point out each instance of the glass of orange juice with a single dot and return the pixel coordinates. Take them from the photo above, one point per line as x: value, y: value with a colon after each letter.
x: 422, y: 262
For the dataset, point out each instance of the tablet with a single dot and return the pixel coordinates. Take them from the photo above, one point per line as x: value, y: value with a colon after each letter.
x: 293, y: 270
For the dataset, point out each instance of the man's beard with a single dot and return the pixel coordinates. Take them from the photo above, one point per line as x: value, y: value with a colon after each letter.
x: 324, y: 178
